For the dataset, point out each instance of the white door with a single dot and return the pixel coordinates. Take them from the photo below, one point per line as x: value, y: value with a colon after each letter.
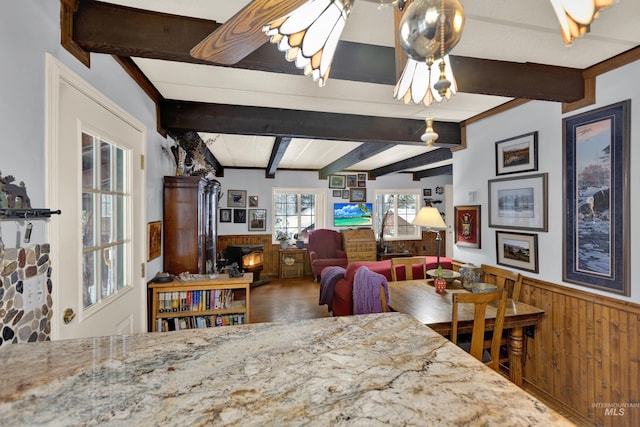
x: 450, y: 220
x: 95, y: 177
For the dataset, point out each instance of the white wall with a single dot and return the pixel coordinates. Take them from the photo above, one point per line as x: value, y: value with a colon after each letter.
x: 254, y: 182
x: 474, y: 166
x: 29, y: 29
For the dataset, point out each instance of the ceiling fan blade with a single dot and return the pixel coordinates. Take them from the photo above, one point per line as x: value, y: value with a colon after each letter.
x: 242, y: 34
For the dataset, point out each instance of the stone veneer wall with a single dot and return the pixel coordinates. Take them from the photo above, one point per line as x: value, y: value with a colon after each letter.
x: 20, y: 321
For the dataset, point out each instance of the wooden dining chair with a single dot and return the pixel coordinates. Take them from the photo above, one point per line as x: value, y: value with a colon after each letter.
x: 408, y: 263
x: 480, y: 302
x: 504, y: 279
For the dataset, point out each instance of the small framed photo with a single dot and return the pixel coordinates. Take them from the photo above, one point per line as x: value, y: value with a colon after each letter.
x: 345, y: 194
x: 237, y: 199
x: 337, y: 181
x: 225, y: 215
x: 154, y: 234
x: 467, y: 226
x: 358, y: 195
x: 253, y: 201
x: 519, y: 203
x: 518, y: 250
x: 362, y: 184
x: 517, y: 154
x: 257, y: 220
x: 362, y: 177
x: 337, y: 193
x: 351, y: 181
x: 426, y: 192
x: 239, y: 216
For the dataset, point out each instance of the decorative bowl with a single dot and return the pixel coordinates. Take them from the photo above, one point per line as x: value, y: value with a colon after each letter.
x: 482, y: 287
x: 448, y: 275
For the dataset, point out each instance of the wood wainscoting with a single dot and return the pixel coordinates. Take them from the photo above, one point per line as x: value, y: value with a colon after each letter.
x: 585, y: 353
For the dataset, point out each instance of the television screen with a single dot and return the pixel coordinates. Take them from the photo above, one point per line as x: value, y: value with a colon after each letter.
x: 352, y: 214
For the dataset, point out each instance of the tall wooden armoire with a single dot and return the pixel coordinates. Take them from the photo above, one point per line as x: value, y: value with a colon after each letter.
x: 190, y: 231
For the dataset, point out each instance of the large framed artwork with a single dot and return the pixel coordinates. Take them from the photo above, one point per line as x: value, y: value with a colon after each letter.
x: 519, y: 250
x: 517, y: 154
x: 467, y: 226
x: 519, y: 203
x: 257, y: 219
x: 337, y: 181
x: 596, y: 193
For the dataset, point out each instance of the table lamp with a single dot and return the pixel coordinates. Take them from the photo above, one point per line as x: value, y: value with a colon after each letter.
x: 430, y: 218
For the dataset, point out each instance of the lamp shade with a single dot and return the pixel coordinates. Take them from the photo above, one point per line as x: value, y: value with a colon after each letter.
x: 429, y: 217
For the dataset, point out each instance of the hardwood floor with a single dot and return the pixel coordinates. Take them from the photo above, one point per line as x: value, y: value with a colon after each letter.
x: 286, y: 300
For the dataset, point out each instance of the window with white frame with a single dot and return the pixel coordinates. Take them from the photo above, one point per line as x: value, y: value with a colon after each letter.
x: 296, y: 211
x: 395, y: 210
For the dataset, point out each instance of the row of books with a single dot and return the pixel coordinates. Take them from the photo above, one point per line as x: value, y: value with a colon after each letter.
x: 194, y: 322
x: 212, y: 299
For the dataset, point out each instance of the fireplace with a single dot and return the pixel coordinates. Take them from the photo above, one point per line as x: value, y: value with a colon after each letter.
x: 250, y: 258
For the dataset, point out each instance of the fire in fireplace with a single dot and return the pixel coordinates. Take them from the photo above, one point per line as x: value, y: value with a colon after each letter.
x: 250, y: 258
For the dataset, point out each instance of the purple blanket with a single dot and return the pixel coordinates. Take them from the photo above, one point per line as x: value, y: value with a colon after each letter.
x: 366, y: 291
x: 328, y: 279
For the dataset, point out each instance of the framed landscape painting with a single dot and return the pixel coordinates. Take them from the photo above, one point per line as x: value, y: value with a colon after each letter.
x: 596, y: 216
x: 517, y: 250
x: 517, y: 154
x: 519, y: 203
x: 257, y: 219
x: 337, y: 181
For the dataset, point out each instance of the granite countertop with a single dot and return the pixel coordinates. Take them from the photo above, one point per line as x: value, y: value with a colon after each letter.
x: 369, y: 370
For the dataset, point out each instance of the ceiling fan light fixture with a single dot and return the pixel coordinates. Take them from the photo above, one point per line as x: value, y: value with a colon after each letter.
x: 313, y: 31
x: 429, y: 136
x: 576, y: 16
x: 418, y: 84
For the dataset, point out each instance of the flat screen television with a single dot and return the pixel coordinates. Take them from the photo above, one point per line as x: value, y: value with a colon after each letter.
x: 352, y: 214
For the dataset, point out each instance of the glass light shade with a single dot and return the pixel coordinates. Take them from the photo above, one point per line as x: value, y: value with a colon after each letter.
x: 421, y: 28
x: 430, y: 218
x: 575, y: 16
x: 310, y: 34
x: 417, y: 82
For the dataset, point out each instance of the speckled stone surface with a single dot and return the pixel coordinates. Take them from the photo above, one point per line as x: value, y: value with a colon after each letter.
x: 368, y: 370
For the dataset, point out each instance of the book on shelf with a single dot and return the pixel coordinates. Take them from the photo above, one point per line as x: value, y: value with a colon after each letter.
x: 197, y: 322
x: 200, y: 300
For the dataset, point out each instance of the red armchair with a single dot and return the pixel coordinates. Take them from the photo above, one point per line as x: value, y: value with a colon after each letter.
x: 325, y: 250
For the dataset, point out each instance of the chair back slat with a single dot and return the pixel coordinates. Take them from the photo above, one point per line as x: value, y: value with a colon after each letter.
x: 504, y: 279
x: 408, y: 263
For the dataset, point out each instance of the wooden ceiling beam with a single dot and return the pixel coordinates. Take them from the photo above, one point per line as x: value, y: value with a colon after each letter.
x: 245, y: 120
x: 280, y: 146
x: 427, y: 173
x: 354, y: 156
x: 433, y: 156
x: 123, y: 31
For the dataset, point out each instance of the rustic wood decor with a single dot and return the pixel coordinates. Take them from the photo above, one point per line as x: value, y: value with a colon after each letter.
x: 154, y: 243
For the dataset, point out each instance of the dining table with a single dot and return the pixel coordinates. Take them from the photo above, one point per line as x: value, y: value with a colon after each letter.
x: 420, y: 299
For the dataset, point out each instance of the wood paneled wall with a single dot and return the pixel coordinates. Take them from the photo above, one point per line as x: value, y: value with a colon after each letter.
x: 586, y: 351
x: 271, y: 260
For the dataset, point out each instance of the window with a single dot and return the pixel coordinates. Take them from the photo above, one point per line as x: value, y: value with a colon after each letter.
x: 396, y: 209
x: 105, y: 205
x: 297, y: 211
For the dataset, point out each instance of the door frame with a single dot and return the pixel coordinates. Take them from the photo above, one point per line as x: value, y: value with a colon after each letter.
x: 56, y: 72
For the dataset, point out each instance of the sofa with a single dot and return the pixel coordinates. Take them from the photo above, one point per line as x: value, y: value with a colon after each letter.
x: 343, y: 290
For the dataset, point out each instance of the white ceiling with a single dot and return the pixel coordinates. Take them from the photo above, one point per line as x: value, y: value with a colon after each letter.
x: 508, y: 30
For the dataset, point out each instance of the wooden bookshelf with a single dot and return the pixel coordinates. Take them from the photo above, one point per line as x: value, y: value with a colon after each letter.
x: 220, y: 301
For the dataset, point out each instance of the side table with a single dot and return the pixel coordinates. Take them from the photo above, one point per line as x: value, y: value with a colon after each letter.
x: 292, y: 262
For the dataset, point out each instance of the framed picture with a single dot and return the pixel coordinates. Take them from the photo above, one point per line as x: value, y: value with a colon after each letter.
x: 337, y: 193
x: 362, y: 177
x: 337, y: 181
x: 345, y: 194
x: 439, y: 190
x: 237, y: 199
x: 253, y: 201
x: 519, y: 203
x: 257, y: 220
x: 596, y: 213
x: 517, y: 154
x: 362, y: 184
x: 154, y: 234
x: 518, y: 250
x: 358, y: 195
x: 467, y: 226
x: 225, y: 215
x: 239, y: 216
x: 351, y: 181
x: 426, y: 192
